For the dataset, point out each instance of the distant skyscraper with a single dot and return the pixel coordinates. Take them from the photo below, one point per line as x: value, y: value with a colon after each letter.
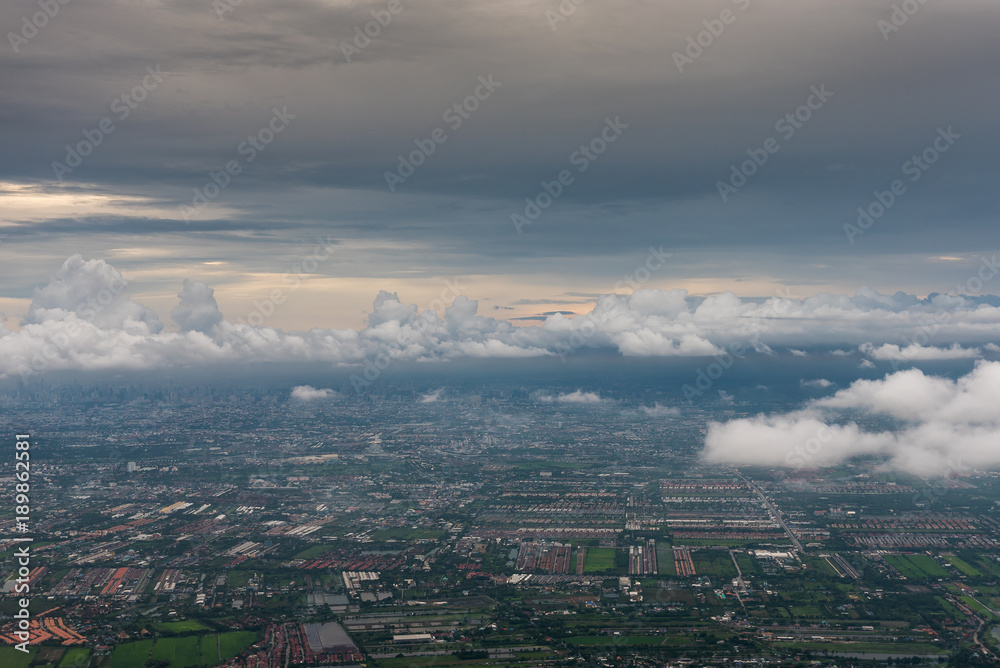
x: 132, y: 468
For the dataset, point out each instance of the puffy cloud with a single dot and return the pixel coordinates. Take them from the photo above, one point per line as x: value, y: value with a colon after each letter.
x: 84, y: 319
x: 946, y: 425
x: 782, y: 441
x: 648, y: 343
x: 310, y: 393
x: 577, y: 397
x: 93, y: 291
x: 388, y: 310
x: 198, y: 310
x: 913, y: 396
x: 818, y: 383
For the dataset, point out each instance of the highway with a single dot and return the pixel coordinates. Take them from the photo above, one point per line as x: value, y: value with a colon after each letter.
x: 775, y: 515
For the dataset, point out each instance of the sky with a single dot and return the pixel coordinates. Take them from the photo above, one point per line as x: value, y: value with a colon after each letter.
x: 751, y: 184
x: 643, y: 109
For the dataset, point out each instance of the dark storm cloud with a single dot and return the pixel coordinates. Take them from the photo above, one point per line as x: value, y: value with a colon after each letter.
x: 657, y: 181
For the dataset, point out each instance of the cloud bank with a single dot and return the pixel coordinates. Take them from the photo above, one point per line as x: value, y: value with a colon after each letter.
x: 946, y: 426
x: 84, y: 319
x: 914, y: 351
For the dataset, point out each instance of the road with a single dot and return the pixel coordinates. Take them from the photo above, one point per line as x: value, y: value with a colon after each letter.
x: 986, y: 650
x: 850, y: 570
x: 739, y: 580
x: 775, y: 515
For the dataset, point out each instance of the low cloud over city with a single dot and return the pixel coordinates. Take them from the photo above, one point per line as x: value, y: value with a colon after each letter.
x: 946, y: 425
x: 84, y: 318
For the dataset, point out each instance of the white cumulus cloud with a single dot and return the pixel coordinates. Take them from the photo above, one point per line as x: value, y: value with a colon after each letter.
x: 945, y: 424
x: 310, y: 393
x: 85, y: 319
x: 198, y: 310
x: 818, y: 383
x: 576, y: 397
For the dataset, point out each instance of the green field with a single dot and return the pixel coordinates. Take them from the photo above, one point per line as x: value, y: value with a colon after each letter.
x: 234, y: 642
x: 237, y: 579
x: 949, y: 609
x: 977, y: 606
x: 809, y: 611
x: 747, y: 563
x: 713, y: 563
x: 314, y: 552
x: 75, y: 657
x: 186, y: 626
x: 182, y: 652
x: 599, y: 560
x: 12, y: 658
x: 928, y: 565
x: 209, y: 650
x: 821, y: 566
x: 178, y: 652
x: 989, y: 566
x: 131, y: 654
x: 916, y: 566
x: 665, y: 559
x: 905, y: 568
x: 965, y: 568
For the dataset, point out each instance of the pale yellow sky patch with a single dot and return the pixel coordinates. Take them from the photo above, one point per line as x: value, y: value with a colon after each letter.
x: 345, y: 302
x: 21, y: 203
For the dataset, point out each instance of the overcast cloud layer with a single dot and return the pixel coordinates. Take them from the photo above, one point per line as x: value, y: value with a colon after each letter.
x: 84, y: 318
x: 208, y: 82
